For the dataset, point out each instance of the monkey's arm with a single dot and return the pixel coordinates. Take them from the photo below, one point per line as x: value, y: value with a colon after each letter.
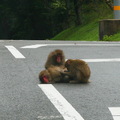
x: 66, y: 73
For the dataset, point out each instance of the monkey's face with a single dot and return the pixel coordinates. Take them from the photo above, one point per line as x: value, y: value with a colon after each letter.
x: 58, y: 58
x: 45, y: 77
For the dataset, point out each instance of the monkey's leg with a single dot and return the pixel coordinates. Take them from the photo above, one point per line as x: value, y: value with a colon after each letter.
x: 77, y: 78
x: 65, y: 79
x: 80, y: 81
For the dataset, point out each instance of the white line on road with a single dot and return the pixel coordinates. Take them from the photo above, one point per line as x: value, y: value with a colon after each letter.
x: 103, y: 60
x: 76, y: 44
x: 34, y: 46
x: 1, y: 40
x: 72, y: 44
x: 14, y: 52
x: 17, y: 54
x: 60, y: 103
x: 115, y: 111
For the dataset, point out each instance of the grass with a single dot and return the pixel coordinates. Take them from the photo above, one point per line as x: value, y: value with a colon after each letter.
x: 115, y: 37
x: 87, y: 32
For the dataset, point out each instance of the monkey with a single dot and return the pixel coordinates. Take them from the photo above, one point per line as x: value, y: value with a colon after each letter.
x: 55, y: 58
x: 54, y: 66
x: 44, y: 76
x: 53, y: 75
x: 78, y: 71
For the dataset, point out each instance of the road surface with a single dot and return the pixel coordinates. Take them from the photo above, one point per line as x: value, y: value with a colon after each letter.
x: 22, y: 97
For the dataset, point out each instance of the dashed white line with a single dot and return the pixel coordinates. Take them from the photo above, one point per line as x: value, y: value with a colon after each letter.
x: 103, y: 60
x: 60, y: 103
x: 34, y: 46
x: 72, y: 44
x: 77, y: 44
x: 14, y: 52
x: 115, y: 111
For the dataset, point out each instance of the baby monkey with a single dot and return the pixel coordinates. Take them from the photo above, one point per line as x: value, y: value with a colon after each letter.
x: 78, y: 70
x: 53, y: 75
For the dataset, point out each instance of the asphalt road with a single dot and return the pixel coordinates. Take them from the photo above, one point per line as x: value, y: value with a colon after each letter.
x: 22, y: 99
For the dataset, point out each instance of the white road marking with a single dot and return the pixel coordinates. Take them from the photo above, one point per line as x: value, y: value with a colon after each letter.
x: 76, y: 44
x: 116, y: 117
x: 34, y: 46
x: 87, y: 60
x: 72, y: 44
x: 1, y: 41
x: 103, y: 60
x: 49, y: 117
x: 115, y: 111
x: 14, y: 52
x: 60, y: 103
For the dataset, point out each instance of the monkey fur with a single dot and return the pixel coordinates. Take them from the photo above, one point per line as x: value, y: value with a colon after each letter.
x: 55, y: 58
x: 78, y: 70
x: 53, y: 75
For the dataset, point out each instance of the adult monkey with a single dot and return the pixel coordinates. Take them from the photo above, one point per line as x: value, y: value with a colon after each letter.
x: 55, y: 58
x: 78, y: 70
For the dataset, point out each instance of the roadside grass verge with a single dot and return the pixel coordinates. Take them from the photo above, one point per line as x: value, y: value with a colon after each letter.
x: 88, y: 32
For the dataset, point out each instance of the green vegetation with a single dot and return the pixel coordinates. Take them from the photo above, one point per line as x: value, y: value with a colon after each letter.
x: 115, y: 37
x: 87, y: 32
x: 44, y: 19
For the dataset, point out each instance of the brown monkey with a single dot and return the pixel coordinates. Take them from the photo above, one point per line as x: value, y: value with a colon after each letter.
x: 55, y: 58
x: 45, y: 76
x: 54, y: 66
x: 53, y: 75
x: 78, y: 70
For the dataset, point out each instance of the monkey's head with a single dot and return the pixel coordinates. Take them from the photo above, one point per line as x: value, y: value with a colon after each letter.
x: 44, y: 76
x: 59, y: 57
x: 68, y: 63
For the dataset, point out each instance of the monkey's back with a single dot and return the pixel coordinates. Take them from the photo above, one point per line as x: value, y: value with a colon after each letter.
x: 80, y: 70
